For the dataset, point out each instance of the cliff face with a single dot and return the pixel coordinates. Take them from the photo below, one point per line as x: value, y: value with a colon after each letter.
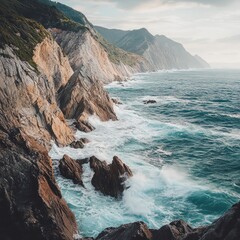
x: 164, y: 53
x: 35, y: 77
x: 51, y: 61
x: 84, y: 96
x: 30, y: 98
x: 31, y: 204
x: 87, y: 54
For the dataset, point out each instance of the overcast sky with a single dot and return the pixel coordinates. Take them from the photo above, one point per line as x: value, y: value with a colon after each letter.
x: 209, y: 28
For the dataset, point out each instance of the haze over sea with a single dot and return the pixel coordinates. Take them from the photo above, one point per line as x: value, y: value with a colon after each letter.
x: 184, y: 151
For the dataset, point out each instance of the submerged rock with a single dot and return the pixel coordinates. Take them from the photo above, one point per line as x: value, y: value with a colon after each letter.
x: 149, y: 101
x: 71, y: 169
x: 132, y: 231
x: 109, y: 179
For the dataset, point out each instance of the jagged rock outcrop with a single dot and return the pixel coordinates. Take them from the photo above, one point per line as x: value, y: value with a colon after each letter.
x: 31, y: 204
x: 71, y: 169
x: 109, y: 179
x: 84, y: 96
x: 79, y: 143
x: 31, y: 98
x: 84, y: 126
x: 134, y: 231
x: 50, y: 60
x: 226, y: 227
x: 173, y: 231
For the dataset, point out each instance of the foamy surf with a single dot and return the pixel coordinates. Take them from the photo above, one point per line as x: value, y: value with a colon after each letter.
x: 179, y: 160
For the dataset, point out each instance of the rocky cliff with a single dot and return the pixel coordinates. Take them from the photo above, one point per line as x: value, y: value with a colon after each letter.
x: 34, y: 74
x: 88, y: 54
x: 160, y: 51
x: 43, y: 82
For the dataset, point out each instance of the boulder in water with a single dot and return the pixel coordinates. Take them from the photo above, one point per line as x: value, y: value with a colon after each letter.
x: 84, y: 126
x: 79, y: 143
x: 149, y: 101
x: 71, y: 169
x: 109, y: 179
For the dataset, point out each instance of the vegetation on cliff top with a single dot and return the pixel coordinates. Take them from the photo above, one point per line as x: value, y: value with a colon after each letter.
x: 71, y: 13
x: 24, y: 22
x: 117, y: 55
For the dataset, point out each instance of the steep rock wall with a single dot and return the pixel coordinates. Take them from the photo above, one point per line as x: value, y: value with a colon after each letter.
x: 30, y: 96
x: 51, y: 61
x: 31, y: 204
x: 89, y: 56
x: 84, y: 96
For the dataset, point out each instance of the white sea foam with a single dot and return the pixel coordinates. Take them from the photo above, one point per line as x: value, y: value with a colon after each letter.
x: 156, y: 194
x: 149, y: 184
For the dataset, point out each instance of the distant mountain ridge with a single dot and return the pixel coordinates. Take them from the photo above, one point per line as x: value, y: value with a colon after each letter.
x: 160, y: 51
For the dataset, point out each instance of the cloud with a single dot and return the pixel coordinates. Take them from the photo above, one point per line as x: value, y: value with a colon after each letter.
x: 131, y: 4
x: 232, y: 39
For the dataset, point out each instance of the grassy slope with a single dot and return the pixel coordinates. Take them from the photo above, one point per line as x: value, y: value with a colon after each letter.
x: 24, y: 23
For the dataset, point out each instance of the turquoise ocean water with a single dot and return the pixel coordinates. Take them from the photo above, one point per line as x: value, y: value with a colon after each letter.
x: 184, y: 151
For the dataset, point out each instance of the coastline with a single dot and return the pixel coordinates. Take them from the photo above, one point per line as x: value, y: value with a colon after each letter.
x: 88, y: 152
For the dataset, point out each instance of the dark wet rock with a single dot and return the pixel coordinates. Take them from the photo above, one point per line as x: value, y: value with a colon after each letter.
x: 109, y: 179
x: 31, y: 204
x: 71, y: 169
x: 116, y: 101
x: 79, y: 143
x: 85, y: 140
x: 86, y: 239
x: 226, y: 227
x: 149, y: 101
x: 173, y: 231
x: 132, y: 231
x: 84, y: 126
x: 83, y: 161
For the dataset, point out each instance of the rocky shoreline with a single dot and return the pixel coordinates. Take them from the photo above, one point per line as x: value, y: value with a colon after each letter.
x: 109, y: 180
x: 44, y: 82
x: 226, y: 227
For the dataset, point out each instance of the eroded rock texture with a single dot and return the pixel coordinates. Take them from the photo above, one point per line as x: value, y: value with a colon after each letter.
x: 71, y: 169
x: 31, y: 204
x: 224, y: 228
x: 109, y: 179
x: 134, y: 231
x: 84, y: 96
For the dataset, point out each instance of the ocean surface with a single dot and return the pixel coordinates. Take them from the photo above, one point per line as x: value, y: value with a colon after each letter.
x: 184, y: 151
